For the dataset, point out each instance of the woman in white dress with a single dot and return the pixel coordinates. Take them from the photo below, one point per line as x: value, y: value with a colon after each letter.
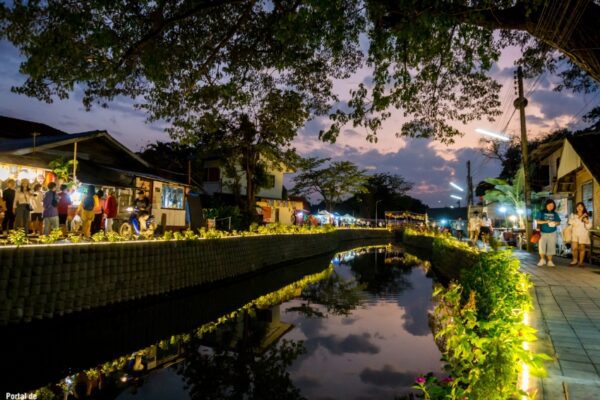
x: 580, y: 233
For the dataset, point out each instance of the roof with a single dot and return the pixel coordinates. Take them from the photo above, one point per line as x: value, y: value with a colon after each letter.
x: 26, y: 146
x: 14, y: 128
x: 544, y: 150
x: 587, y: 147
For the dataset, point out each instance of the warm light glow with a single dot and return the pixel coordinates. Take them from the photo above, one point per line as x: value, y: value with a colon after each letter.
x: 495, y: 135
x: 456, y: 197
x: 454, y: 185
x: 513, y: 218
x: 524, y: 378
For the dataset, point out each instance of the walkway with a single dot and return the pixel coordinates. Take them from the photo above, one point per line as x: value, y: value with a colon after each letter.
x: 567, y: 316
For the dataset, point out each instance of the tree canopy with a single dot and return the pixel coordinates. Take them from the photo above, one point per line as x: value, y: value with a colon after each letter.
x: 333, y: 181
x: 190, y: 60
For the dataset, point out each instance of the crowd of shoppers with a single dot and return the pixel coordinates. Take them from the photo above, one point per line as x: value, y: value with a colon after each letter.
x: 38, y: 211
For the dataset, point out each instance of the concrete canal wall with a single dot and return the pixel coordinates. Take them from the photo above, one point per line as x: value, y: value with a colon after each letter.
x: 44, y: 281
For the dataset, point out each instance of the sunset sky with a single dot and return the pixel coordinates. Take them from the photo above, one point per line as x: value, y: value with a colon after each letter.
x: 429, y: 165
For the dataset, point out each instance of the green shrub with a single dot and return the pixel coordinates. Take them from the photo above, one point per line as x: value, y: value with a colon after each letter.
x: 114, y: 237
x: 99, y: 236
x: 54, y: 236
x: 73, y: 238
x: 18, y: 237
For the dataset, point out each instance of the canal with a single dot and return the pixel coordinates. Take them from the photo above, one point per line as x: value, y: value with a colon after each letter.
x: 353, y: 325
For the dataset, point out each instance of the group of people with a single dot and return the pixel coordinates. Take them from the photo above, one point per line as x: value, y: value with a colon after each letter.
x: 40, y: 211
x: 577, y: 233
x: 32, y: 209
x: 96, y: 211
x: 480, y: 226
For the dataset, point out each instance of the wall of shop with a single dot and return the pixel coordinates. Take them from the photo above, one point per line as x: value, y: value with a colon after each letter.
x: 582, y: 177
x: 44, y: 281
x: 174, y: 217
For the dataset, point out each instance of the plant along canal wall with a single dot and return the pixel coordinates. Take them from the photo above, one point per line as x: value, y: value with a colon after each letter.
x: 45, y: 281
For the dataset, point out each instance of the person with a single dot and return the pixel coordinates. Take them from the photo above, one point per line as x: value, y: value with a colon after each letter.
x: 547, y: 220
x: 580, y: 233
x: 23, y: 206
x: 50, y: 212
x: 98, y: 211
x: 460, y: 228
x: 142, y: 203
x: 474, y: 226
x: 110, y: 210
x: 37, y: 198
x: 486, y: 228
x: 64, y: 201
x: 8, y: 195
x: 86, y: 210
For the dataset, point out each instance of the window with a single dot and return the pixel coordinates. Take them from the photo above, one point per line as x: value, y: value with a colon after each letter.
x: 270, y: 182
x: 587, y: 195
x: 212, y: 174
x: 172, y: 197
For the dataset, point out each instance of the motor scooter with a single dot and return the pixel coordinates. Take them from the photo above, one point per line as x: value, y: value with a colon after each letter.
x: 144, y: 225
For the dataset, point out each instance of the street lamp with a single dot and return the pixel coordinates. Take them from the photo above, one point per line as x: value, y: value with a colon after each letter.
x: 376, y: 203
x: 503, y: 211
x: 454, y: 185
x: 495, y: 135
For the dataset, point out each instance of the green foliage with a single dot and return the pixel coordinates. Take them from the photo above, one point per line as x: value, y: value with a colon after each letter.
x: 54, y: 236
x: 168, y: 235
x: 62, y: 168
x: 332, y: 181
x: 74, y: 238
x: 99, y: 236
x: 480, y: 324
x: 114, y: 237
x: 18, y: 237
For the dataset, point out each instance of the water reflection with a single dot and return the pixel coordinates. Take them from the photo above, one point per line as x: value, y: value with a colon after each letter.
x: 357, y: 329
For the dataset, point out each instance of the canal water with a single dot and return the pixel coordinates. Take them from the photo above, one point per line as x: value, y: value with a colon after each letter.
x: 354, y: 327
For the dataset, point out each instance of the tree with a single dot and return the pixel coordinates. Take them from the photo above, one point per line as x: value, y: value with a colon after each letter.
x: 332, y: 181
x: 429, y: 58
x: 177, y: 158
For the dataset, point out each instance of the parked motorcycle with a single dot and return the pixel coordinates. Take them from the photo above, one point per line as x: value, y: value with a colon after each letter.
x: 144, y: 225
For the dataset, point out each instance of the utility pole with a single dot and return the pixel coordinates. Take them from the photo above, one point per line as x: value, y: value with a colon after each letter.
x: 469, y: 184
x: 521, y: 103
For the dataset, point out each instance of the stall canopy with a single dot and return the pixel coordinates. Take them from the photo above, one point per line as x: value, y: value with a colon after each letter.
x: 101, y: 159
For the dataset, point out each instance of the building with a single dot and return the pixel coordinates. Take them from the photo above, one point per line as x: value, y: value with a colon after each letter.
x: 270, y: 200
x: 27, y: 149
x: 578, y: 173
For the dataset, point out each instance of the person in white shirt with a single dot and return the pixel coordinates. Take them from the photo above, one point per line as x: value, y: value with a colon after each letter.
x: 23, y: 206
x: 580, y: 233
x: 474, y: 226
x: 37, y: 198
x: 486, y: 228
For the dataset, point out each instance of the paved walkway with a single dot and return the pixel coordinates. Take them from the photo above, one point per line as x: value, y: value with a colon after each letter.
x: 567, y: 316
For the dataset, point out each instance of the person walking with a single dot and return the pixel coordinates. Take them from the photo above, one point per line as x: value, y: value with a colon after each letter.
x: 64, y: 201
x: 23, y: 206
x: 547, y: 220
x: 460, y: 228
x: 50, y: 212
x: 580, y: 233
x: 98, y: 211
x: 86, y: 210
x: 110, y: 210
x: 486, y: 228
x: 474, y: 226
x: 37, y: 199
x: 8, y: 194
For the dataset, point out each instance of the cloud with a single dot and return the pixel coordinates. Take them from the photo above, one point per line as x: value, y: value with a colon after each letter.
x: 388, y: 376
x: 350, y: 344
x: 556, y: 104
